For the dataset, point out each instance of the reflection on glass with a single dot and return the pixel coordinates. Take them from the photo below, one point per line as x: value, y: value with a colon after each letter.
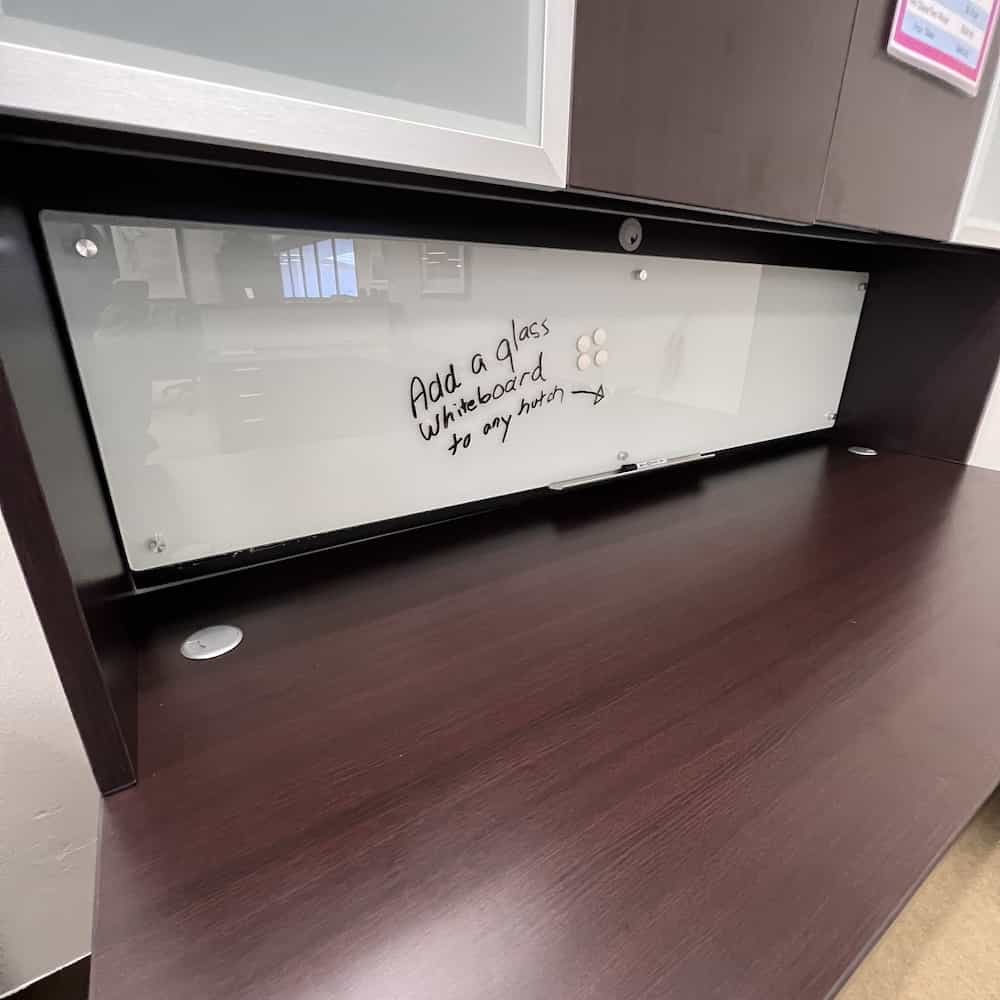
x: 149, y: 254
x: 347, y: 270
x: 249, y: 385
x: 312, y: 275
x: 327, y: 269
x: 442, y: 268
x: 286, y: 275
x: 298, y: 279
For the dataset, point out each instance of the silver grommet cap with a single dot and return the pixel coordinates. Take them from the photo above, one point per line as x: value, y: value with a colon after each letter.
x: 207, y: 643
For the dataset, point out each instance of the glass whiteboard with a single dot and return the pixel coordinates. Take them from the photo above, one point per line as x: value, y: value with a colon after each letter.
x: 251, y: 386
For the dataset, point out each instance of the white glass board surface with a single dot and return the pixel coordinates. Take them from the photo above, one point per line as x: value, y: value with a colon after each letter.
x: 250, y: 386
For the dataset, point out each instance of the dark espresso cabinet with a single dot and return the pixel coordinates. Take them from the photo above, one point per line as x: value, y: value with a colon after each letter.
x: 725, y: 107
x: 764, y: 110
x: 604, y: 736
x: 903, y: 140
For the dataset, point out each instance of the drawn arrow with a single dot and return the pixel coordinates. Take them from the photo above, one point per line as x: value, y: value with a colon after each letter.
x: 598, y: 395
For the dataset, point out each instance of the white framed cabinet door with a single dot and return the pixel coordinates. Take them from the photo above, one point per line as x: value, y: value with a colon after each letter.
x: 472, y: 88
x: 977, y: 222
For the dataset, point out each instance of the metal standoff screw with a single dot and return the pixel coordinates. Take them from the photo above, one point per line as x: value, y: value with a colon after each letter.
x: 156, y: 543
x: 622, y: 455
x: 86, y: 247
x: 641, y: 275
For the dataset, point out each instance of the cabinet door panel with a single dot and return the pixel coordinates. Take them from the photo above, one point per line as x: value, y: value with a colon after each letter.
x: 902, y: 141
x: 477, y: 89
x: 978, y: 221
x: 727, y: 107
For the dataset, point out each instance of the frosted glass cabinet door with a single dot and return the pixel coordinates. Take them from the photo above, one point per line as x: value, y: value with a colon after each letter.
x: 470, y: 87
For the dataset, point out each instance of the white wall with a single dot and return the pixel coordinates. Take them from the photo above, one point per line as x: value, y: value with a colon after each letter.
x: 986, y: 444
x: 48, y: 799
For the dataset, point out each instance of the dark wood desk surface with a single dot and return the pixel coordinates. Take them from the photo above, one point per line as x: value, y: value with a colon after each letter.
x: 694, y: 743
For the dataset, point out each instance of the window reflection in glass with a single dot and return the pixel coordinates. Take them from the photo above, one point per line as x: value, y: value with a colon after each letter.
x: 325, y: 269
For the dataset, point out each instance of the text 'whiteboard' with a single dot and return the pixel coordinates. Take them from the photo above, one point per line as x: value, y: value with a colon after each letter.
x: 251, y: 386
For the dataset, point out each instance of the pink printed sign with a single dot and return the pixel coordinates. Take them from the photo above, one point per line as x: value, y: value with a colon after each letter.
x: 947, y: 38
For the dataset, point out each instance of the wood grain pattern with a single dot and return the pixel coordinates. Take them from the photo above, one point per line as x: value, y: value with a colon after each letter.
x: 925, y: 355
x: 151, y: 183
x: 50, y: 584
x: 694, y: 103
x: 903, y: 140
x: 688, y: 738
x: 52, y: 418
